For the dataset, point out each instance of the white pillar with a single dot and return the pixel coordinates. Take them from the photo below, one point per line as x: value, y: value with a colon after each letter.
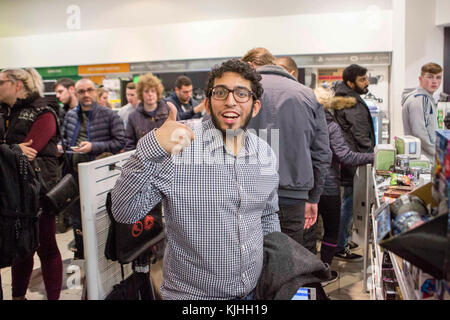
x: 416, y: 40
x: 398, y: 67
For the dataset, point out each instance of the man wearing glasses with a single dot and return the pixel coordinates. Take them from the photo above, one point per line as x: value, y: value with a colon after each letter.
x: 419, y: 109
x: 218, y: 185
x: 88, y: 131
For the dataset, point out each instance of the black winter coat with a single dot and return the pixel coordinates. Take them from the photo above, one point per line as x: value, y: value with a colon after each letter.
x: 22, y: 116
x: 355, y: 120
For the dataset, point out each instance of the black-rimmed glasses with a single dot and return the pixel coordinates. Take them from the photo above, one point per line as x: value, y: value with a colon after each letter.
x: 240, y: 94
x: 88, y: 90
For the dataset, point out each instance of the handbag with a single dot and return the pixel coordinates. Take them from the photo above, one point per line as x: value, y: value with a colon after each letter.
x: 126, y: 242
x: 62, y: 195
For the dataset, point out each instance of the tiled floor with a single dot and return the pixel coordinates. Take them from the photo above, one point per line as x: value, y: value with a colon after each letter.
x: 348, y: 287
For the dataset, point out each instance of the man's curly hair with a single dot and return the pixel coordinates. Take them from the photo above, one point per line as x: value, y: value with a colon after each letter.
x: 239, y: 67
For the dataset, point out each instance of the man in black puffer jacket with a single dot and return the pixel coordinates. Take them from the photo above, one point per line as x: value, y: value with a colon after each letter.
x: 357, y: 127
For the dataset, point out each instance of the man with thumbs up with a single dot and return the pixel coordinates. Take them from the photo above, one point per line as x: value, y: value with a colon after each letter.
x: 218, y: 185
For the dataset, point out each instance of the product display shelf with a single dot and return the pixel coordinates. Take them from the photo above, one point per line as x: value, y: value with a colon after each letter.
x: 376, y: 292
x: 404, y: 281
x: 377, y: 248
x: 375, y: 252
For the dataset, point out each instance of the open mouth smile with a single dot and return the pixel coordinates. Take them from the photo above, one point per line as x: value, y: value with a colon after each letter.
x: 230, y: 117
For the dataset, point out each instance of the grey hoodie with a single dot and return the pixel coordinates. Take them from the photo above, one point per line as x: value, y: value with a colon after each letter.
x: 419, y: 115
x: 304, y: 150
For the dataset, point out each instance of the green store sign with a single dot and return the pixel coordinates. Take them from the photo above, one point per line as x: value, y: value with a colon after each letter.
x: 58, y: 72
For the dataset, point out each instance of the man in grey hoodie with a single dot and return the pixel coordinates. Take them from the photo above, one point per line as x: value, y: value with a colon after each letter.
x: 292, y: 110
x: 419, y: 111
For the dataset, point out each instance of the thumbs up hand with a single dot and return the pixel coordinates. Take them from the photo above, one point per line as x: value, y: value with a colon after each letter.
x: 173, y: 136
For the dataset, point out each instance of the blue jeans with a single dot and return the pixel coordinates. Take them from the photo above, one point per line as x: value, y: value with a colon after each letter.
x: 345, y: 225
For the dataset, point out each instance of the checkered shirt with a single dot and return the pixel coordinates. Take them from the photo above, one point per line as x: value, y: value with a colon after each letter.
x: 217, y: 207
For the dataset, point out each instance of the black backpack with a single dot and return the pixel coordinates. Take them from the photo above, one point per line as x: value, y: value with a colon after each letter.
x: 19, y: 206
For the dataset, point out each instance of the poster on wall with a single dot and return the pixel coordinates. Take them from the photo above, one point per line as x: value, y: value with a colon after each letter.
x: 378, y: 87
x: 113, y: 88
x: 329, y: 76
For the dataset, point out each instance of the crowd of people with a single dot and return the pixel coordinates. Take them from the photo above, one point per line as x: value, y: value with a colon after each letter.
x: 224, y: 189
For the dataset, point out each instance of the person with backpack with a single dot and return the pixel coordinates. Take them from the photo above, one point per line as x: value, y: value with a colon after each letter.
x: 32, y: 124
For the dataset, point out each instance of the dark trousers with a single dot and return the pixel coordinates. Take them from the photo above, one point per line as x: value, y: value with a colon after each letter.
x: 330, y: 210
x: 51, y: 263
x: 292, y: 222
x: 77, y: 229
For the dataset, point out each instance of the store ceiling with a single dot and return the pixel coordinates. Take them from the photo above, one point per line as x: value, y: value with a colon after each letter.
x: 26, y: 17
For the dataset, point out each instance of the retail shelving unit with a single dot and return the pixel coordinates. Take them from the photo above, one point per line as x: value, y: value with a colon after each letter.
x: 404, y: 282
x: 406, y: 275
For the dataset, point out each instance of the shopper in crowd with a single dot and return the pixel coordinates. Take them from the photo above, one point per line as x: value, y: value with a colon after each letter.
x: 151, y: 113
x: 291, y: 110
x: 132, y: 104
x: 65, y: 93
x: 89, y: 130
x: 187, y: 107
x: 330, y: 200
x: 357, y: 127
x: 289, y: 65
x: 215, y: 238
x: 32, y: 123
x: 419, y: 111
x: 102, y: 98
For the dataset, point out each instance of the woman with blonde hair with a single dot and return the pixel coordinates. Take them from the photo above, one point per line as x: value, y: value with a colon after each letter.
x: 32, y: 124
x: 330, y: 200
x: 102, y: 98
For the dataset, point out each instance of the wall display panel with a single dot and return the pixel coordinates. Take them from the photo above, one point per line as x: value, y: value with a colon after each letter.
x: 329, y: 76
x: 87, y: 70
x: 58, y: 72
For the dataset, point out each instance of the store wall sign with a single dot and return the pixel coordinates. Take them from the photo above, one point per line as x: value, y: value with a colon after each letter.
x: 175, y: 66
x: 303, y: 61
x: 379, y: 58
x: 358, y: 58
x: 58, y: 71
x: 158, y: 66
x: 104, y: 69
